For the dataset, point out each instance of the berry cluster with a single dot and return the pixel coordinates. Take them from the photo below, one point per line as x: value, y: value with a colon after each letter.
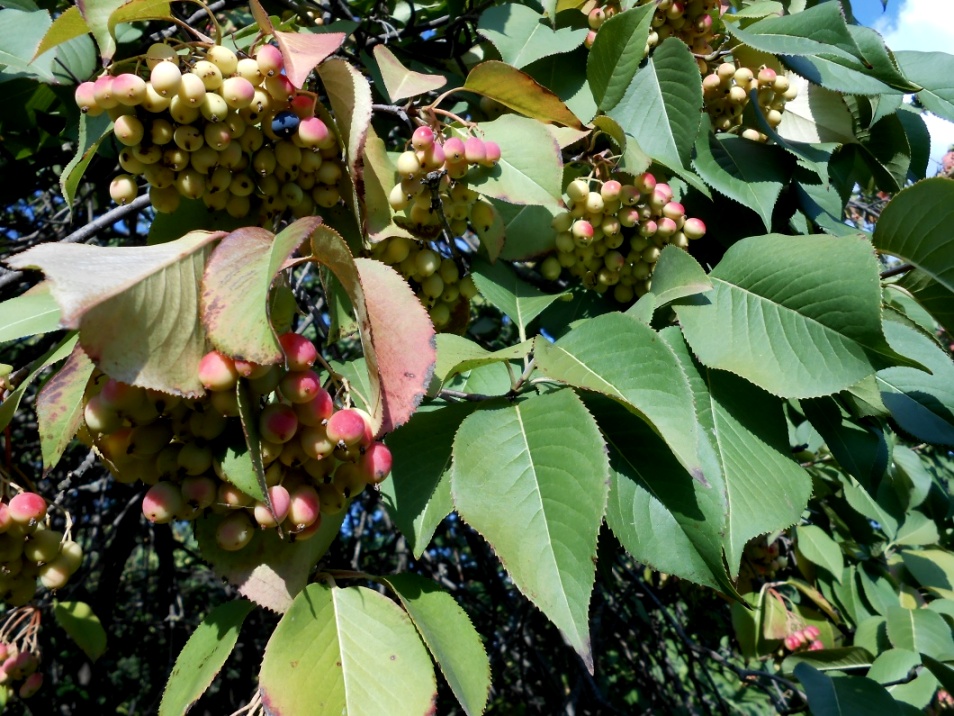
x: 804, y: 640
x: 30, y: 549
x: 436, y: 280
x: 20, y: 666
x: 433, y: 194
x: 611, y: 237
x: 691, y: 21
x: 209, y: 125
x: 316, y: 457
x: 726, y: 92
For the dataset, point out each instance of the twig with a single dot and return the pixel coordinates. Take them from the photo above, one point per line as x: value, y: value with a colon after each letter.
x: 897, y: 270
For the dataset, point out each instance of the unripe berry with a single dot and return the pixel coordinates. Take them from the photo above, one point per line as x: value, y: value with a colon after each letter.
x: 166, y: 78
x: 270, y: 60
x: 129, y: 130
x: 674, y: 210
x: 86, y: 99
x: 43, y: 545
x: 596, y: 18
x: 123, y: 189
x: 158, y: 52
x: 281, y: 501
x: 193, y: 459
x: 278, y: 423
x: 236, y: 530
x: 694, y: 229
x: 300, y: 353
x: 247, y: 68
x: 129, y: 90
x: 223, y: 58
x: 162, y: 502
x: 315, y: 442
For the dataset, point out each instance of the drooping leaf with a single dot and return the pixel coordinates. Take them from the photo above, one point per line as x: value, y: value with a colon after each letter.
x: 538, y: 498
x: 400, y: 82
x: 932, y: 71
x: 661, y: 106
x: 363, y: 645
x: 203, y: 656
x: 839, y: 659
x: 79, y: 621
x: 34, y: 312
x: 599, y: 355
x: 520, y: 92
x: 418, y: 493
x: 119, y: 299
x: 921, y: 403
x: 68, y: 25
x: 530, y: 167
x: 521, y: 301
x: 522, y: 36
x: 747, y: 172
x: 816, y: 115
x: 92, y: 131
x: 450, y: 637
x: 304, y: 51
x: 792, y: 325
x: 677, y: 275
x: 820, y: 549
x: 619, y: 48
x: 59, y: 406
x: 96, y: 13
x: 9, y: 405
x: 269, y: 571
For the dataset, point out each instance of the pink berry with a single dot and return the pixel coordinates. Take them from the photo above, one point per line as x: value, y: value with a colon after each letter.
x: 674, y: 210
x: 300, y: 386
x: 162, y: 503
x: 694, y: 229
x: 129, y: 89
x: 27, y: 508
x: 422, y: 138
x: 812, y: 632
x: 217, y: 371
x: 31, y: 685
x: 376, y: 462
x: 86, y: 99
x: 474, y: 150
x: 816, y: 646
x: 281, y: 501
x: 454, y: 150
x: 645, y: 183
x: 278, y: 423
x: 199, y: 492
x: 270, y: 60
x: 300, y: 353
x: 303, y: 106
x: 312, y: 132
x: 346, y: 426
x: 304, y: 506
x: 491, y: 154
x: 317, y: 410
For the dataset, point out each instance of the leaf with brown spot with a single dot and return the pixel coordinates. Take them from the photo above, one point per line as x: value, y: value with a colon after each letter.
x: 136, y: 307
x: 59, y: 406
x: 303, y: 52
x: 236, y: 286
x: 399, y: 81
x: 520, y: 92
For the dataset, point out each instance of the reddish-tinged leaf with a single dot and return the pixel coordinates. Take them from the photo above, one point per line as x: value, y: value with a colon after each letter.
x: 520, y: 92
x: 396, y: 332
x: 236, y: 285
x: 399, y: 81
x: 59, y: 406
x: 350, y: 96
x: 403, y: 338
x: 303, y: 52
x: 261, y: 17
x: 269, y: 570
x: 136, y: 307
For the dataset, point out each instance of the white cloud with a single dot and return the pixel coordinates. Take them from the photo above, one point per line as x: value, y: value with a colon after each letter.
x: 925, y: 26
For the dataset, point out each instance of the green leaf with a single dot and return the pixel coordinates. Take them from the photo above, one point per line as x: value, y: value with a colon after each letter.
x: 746, y: 450
x: 921, y: 403
x: 521, y: 35
x: 67, y: 26
x: 400, y: 82
x: 59, y: 406
x: 933, y: 72
x: 821, y: 549
x: 599, y: 355
x: 863, y: 503
x: 161, y: 342
x: 886, y: 151
x: 9, y: 405
x: 839, y: 659
x: 456, y: 354
x: 932, y: 296
x: 660, y: 515
x: 619, y: 48
x: 942, y: 672
x: 792, y: 325
x: 34, y: 312
x: 521, y: 301
x: 920, y: 630
x: 818, y: 30
x: 661, y: 106
x: 838, y: 74
x: 879, y: 589
x: 203, y: 656
x: 242, y: 464
x: 933, y: 569
x: 21, y: 32
x: 236, y: 286
x: 844, y: 695
x: 522, y: 228
x: 565, y: 76
x: 918, y: 530
x: 538, y: 498
x: 816, y: 115
x: 97, y: 13
x: 92, y: 131
x: 365, y: 649
x: 747, y: 172
x: 83, y: 626
x: 530, y: 167
x: 520, y: 92
x: 859, y: 449
x: 913, y: 227
x: 418, y: 493
x: 449, y: 635
x: 677, y: 275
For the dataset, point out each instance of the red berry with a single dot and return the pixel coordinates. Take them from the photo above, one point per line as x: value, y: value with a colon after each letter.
x: 278, y: 423
x: 27, y: 508
x: 346, y: 426
x: 474, y: 150
x: 217, y: 371
x: 317, y: 410
x: 304, y: 506
x: 300, y: 353
x: 300, y: 386
x: 376, y: 462
x: 491, y: 154
x: 162, y: 503
x: 422, y: 138
x: 281, y: 501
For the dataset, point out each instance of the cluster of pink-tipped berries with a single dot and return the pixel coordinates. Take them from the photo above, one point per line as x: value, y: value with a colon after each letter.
x: 210, y: 125
x: 726, y: 91
x: 316, y: 456
x: 30, y: 550
x: 432, y: 192
x: 18, y: 670
x: 612, y: 234
x: 804, y: 640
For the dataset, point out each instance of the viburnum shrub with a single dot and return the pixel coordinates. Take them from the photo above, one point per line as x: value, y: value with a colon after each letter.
x: 589, y: 357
